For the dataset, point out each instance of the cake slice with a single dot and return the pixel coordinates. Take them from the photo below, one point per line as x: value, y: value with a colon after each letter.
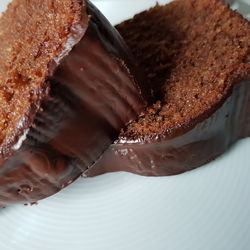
x: 67, y: 86
x: 196, y: 54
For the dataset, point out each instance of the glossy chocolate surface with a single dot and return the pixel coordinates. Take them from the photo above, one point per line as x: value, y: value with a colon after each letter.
x: 191, y: 146
x: 91, y: 94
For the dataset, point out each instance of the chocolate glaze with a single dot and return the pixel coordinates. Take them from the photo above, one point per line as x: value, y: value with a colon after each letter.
x: 186, y: 147
x: 92, y: 92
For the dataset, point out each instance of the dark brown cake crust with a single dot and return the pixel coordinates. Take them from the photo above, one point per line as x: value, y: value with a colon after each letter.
x: 90, y: 95
x: 189, y: 143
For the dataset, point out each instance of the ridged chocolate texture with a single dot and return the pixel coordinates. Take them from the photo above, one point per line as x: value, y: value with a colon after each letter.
x: 91, y: 94
x: 186, y: 148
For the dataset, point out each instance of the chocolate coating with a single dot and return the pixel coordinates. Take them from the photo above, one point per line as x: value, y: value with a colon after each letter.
x: 92, y: 92
x: 186, y: 147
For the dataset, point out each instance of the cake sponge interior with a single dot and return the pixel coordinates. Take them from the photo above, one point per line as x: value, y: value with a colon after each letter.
x: 32, y: 33
x: 193, y: 52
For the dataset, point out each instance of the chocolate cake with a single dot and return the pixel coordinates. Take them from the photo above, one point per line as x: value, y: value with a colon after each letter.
x: 67, y: 87
x: 196, y: 54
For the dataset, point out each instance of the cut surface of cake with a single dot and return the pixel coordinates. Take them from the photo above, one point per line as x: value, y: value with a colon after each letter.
x: 196, y: 59
x: 33, y: 33
x: 67, y: 86
x: 196, y: 54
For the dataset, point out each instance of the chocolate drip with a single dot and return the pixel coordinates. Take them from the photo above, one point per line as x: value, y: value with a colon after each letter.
x: 192, y: 146
x: 91, y: 94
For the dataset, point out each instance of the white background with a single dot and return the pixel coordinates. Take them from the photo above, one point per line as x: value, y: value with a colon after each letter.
x: 206, y: 209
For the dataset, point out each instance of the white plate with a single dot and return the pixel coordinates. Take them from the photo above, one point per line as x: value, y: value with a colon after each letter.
x: 206, y: 209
